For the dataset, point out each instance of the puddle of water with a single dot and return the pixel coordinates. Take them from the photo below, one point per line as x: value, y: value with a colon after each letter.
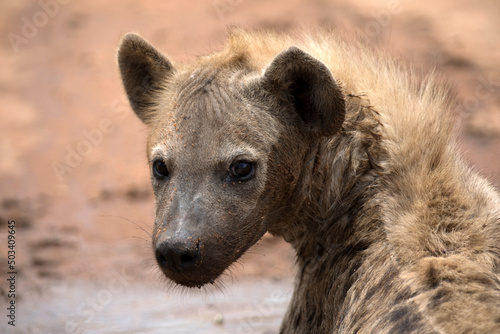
x: 86, y: 307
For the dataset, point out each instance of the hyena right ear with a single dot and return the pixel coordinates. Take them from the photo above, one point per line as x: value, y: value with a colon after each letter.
x: 307, y: 86
x: 143, y: 70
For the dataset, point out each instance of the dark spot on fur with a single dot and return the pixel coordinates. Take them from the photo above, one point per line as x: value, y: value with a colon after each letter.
x: 324, y: 267
x: 311, y: 320
x: 487, y: 298
x: 485, y: 280
x: 432, y: 277
x: 370, y: 293
x: 349, y: 251
x: 319, y: 319
x: 435, y: 162
x: 320, y: 251
x: 312, y: 317
x: 384, y: 285
x: 297, y: 321
x: 405, y: 319
x: 402, y: 295
x: 438, y: 298
x: 399, y: 313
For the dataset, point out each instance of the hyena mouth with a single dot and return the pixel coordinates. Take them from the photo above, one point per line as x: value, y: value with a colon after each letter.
x: 192, y: 281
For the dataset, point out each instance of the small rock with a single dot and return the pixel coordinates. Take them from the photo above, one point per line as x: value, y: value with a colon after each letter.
x: 218, y: 319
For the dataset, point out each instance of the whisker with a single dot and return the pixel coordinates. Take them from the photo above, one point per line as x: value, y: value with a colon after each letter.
x: 130, y: 221
x: 140, y: 238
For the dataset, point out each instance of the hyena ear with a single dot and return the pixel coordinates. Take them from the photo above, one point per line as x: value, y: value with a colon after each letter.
x: 143, y: 70
x: 306, y: 84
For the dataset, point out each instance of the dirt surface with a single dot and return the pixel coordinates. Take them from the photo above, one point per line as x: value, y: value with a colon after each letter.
x: 73, y: 172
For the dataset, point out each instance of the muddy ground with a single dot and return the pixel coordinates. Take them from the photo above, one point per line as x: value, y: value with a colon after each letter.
x: 73, y: 172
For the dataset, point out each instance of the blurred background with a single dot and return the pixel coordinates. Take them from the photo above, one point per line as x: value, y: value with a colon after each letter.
x: 73, y: 171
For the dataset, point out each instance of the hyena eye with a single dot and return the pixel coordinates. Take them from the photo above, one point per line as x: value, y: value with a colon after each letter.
x: 241, y: 170
x: 160, y: 170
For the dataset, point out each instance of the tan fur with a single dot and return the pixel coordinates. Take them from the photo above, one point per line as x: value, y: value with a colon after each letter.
x: 393, y: 232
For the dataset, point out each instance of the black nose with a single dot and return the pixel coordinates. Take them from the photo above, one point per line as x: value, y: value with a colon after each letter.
x: 178, y: 254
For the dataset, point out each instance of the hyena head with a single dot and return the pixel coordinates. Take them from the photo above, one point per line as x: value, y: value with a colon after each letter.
x: 227, y: 148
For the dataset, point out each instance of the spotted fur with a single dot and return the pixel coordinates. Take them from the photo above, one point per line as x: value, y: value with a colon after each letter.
x: 393, y: 232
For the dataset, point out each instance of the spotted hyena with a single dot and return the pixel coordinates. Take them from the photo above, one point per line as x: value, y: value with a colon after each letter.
x: 338, y: 151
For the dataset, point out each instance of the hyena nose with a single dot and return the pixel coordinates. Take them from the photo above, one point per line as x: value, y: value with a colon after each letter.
x: 178, y: 254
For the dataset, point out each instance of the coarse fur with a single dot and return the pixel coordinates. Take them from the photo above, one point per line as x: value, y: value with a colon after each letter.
x: 355, y: 165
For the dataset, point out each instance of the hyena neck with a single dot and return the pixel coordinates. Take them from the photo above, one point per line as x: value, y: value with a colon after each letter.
x: 339, y: 175
x: 337, y: 219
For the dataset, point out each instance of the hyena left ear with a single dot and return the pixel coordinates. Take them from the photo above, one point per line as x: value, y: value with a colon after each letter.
x: 306, y: 84
x: 143, y: 70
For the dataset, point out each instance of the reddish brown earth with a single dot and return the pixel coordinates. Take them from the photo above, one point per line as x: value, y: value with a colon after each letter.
x: 73, y: 172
